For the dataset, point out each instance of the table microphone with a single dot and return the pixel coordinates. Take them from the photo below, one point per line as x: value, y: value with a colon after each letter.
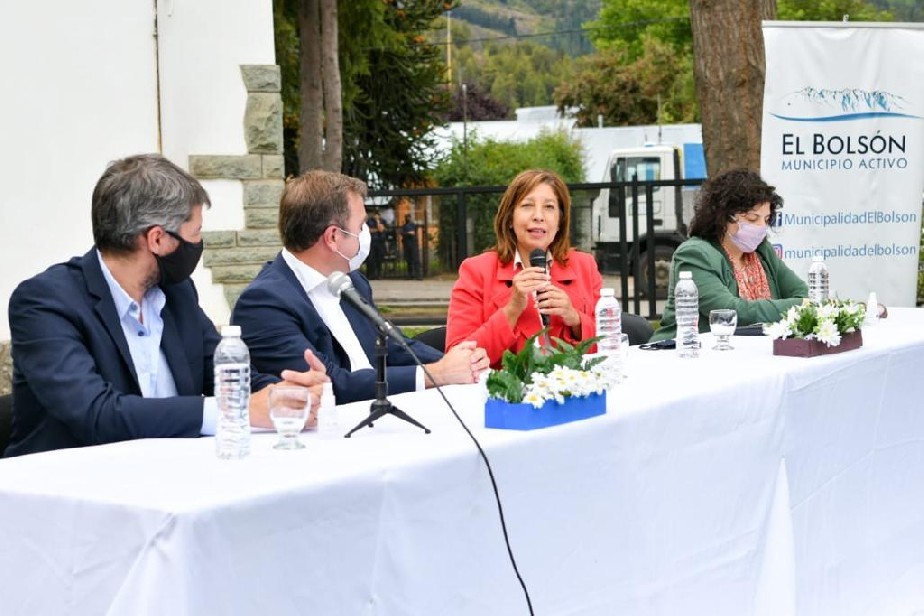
x: 340, y: 285
x: 538, y: 258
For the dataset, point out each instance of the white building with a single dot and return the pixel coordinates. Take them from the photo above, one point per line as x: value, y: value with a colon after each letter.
x: 89, y: 82
x: 597, y: 143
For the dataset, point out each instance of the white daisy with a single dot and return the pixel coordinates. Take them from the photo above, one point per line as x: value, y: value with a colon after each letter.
x: 827, y: 333
x: 780, y: 329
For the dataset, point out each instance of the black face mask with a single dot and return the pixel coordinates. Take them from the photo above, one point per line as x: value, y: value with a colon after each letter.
x: 179, y: 264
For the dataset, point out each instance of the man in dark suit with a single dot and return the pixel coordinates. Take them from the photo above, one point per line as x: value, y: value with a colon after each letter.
x: 411, y: 249
x: 113, y: 345
x: 377, y: 248
x: 288, y: 306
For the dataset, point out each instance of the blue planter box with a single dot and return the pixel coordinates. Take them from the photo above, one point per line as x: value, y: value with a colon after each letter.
x: 511, y: 416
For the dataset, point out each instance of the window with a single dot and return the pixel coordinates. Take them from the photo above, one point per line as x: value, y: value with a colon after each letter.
x: 645, y: 168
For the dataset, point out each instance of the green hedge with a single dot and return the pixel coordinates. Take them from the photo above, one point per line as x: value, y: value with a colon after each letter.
x: 496, y: 163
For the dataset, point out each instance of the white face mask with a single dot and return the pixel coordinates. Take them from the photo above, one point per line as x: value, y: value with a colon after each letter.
x: 365, y: 241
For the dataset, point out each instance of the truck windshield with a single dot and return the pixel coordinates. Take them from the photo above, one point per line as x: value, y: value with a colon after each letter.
x: 642, y: 168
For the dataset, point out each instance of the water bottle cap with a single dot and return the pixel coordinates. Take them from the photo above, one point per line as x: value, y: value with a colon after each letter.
x: 230, y: 331
x: 685, y: 275
x: 607, y: 292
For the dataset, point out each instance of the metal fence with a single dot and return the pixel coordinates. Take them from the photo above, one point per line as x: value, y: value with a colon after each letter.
x: 454, y: 223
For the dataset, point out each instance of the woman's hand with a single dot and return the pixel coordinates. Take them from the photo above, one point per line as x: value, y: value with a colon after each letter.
x: 527, y: 281
x: 553, y: 300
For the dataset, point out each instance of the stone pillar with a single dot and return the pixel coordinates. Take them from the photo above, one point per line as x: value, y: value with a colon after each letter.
x: 235, y: 257
x: 6, y: 368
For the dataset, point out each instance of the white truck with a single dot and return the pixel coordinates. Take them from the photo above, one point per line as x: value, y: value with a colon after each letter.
x: 671, y: 206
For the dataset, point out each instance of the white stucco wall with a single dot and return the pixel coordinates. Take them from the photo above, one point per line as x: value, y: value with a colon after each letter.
x: 79, y: 91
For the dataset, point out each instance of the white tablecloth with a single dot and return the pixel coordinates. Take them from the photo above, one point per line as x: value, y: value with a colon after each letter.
x: 739, y: 483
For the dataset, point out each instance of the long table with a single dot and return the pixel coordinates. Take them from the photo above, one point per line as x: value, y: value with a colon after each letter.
x: 737, y: 483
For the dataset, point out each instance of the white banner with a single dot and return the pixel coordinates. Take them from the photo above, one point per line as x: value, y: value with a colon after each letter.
x: 843, y: 142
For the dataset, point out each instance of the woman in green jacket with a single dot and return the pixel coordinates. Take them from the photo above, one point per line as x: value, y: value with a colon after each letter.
x: 733, y: 264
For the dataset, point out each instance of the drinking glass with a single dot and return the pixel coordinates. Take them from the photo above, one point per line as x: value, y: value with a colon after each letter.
x: 289, y: 407
x: 722, y: 323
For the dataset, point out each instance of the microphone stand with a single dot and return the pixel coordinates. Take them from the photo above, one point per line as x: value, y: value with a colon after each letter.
x: 381, y: 406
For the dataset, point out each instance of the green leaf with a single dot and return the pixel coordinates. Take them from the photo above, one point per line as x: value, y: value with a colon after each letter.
x: 505, y: 386
x: 517, y: 369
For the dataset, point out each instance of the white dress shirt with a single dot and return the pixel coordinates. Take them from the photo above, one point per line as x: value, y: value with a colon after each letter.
x: 328, y: 306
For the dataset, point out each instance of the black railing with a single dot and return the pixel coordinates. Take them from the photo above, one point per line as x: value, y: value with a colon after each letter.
x: 458, y: 222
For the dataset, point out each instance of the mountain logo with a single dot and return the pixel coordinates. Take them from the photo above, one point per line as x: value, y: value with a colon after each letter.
x: 823, y: 105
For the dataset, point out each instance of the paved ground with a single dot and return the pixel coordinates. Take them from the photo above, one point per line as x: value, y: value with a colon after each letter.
x: 424, y: 302
x: 396, y: 292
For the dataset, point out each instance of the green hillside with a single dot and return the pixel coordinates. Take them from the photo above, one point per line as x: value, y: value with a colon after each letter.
x: 553, y: 23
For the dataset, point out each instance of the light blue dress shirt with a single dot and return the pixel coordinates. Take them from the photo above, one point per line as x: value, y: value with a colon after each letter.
x: 143, y: 328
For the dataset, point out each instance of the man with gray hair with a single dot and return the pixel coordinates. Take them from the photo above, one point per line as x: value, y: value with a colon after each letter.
x: 113, y: 345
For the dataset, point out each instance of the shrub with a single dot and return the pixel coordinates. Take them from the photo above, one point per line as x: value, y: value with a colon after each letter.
x: 496, y: 163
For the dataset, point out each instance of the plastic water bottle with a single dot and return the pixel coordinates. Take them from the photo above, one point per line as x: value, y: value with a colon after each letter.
x: 686, y: 310
x: 818, y: 280
x: 232, y: 391
x: 608, y: 315
x: 328, y: 419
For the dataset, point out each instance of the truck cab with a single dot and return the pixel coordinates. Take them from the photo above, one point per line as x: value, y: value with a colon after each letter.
x: 661, y: 172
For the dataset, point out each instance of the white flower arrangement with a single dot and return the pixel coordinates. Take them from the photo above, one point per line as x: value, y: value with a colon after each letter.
x: 826, y: 322
x: 564, y: 382
x: 535, y: 376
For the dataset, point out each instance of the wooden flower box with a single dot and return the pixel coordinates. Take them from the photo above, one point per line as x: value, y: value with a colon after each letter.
x: 513, y: 416
x: 800, y: 347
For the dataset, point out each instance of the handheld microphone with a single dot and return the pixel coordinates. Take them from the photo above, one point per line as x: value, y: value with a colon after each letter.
x: 538, y: 258
x: 340, y: 285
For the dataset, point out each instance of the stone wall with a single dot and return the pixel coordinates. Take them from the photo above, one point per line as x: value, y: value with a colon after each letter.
x: 235, y: 257
x: 6, y: 368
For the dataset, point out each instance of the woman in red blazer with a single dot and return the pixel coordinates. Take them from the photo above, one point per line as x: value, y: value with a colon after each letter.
x: 498, y: 299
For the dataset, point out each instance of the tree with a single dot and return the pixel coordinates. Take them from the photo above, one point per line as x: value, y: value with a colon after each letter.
x: 391, y: 84
x: 399, y: 92
x: 642, y: 72
x: 472, y: 104
x: 494, y: 163
x: 631, y: 22
x: 830, y: 10
x: 285, y: 24
x: 516, y: 75
x: 656, y: 87
x: 728, y: 52
x: 730, y: 68
x: 902, y: 10
x: 321, y: 117
x: 724, y: 39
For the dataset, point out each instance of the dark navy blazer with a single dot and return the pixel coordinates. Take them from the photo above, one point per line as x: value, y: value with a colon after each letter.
x: 74, y: 382
x: 278, y: 321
